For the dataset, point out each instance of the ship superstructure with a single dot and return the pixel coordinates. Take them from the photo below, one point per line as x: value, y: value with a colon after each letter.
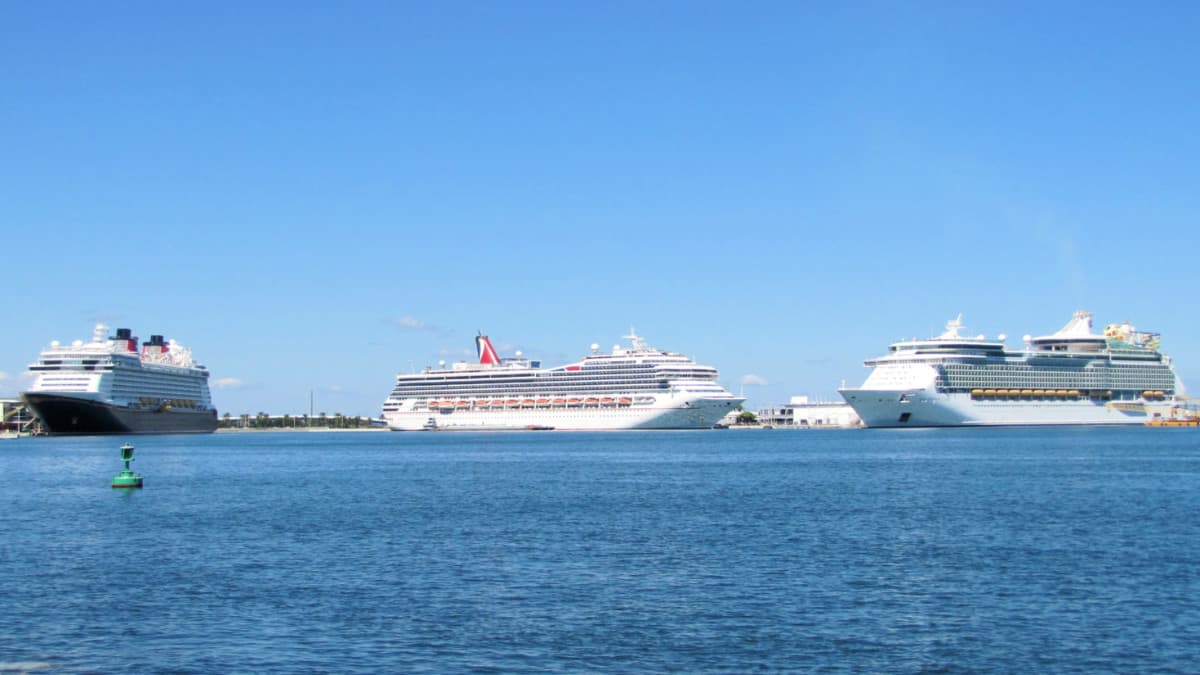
x: 109, y: 385
x: 1070, y: 377
x: 635, y: 387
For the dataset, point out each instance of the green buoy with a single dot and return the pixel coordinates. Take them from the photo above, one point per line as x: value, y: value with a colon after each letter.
x: 127, y: 478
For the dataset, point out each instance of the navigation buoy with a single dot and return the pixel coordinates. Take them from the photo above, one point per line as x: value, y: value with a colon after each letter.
x: 127, y: 478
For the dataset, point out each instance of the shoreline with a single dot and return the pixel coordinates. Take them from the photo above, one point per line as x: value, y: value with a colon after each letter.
x: 251, y: 430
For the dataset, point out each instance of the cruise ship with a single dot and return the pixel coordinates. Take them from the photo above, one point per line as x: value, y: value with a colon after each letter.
x: 109, y: 386
x: 1070, y: 377
x: 635, y: 387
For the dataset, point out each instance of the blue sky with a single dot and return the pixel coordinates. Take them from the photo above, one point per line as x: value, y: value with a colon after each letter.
x: 314, y: 196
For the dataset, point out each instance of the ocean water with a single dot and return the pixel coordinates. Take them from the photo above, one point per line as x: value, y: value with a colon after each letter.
x: 1012, y: 550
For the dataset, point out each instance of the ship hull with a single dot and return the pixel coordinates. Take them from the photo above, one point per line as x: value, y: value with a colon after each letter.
x: 66, y: 415
x: 693, y: 414
x: 924, y: 408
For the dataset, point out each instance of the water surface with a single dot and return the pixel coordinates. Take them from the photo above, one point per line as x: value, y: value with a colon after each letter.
x: 1052, y: 550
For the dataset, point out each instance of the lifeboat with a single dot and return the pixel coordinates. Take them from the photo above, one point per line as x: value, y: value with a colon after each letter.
x: 606, y: 401
x: 572, y: 401
x: 527, y: 401
x: 1026, y: 392
x: 1014, y: 393
x: 482, y: 404
x: 543, y: 401
x: 1061, y: 393
x: 1001, y: 393
x: 498, y: 401
x: 463, y: 404
x: 989, y: 392
x: 976, y: 393
x: 512, y: 403
x: 625, y: 400
x: 1074, y: 393
x: 559, y: 401
x: 434, y: 404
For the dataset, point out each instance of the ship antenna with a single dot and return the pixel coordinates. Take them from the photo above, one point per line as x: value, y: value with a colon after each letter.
x: 634, y: 340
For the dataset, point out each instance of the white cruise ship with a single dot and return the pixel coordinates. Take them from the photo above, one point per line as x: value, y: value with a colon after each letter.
x: 638, y: 387
x: 108, y: 386
x: 1070, y: 377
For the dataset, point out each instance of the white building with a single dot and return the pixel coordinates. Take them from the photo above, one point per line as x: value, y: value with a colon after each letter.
x: 800, y: 412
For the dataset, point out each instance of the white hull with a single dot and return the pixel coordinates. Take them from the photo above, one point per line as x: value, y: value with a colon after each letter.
x: 685, y: 414
x: 927, y: 408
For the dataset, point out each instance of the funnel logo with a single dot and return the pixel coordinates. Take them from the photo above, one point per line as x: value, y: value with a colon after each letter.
x: 487, y: 353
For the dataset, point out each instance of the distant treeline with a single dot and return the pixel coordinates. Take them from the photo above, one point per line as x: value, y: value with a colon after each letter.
x: 264, y: 421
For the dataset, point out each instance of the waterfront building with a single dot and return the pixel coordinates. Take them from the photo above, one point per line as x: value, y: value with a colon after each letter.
x: 801, y: 412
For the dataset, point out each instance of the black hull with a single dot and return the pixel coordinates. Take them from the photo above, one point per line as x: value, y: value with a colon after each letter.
x: 66, y: 416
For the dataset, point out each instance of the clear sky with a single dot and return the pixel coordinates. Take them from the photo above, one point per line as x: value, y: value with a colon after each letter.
x: 314, y: 196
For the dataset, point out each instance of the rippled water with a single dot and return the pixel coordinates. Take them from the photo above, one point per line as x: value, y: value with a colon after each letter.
x: 1049, y: 550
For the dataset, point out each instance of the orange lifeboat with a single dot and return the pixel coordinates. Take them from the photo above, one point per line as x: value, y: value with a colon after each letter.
x: 543, y: 401
x: 559, y: 401
x: 625, y: 400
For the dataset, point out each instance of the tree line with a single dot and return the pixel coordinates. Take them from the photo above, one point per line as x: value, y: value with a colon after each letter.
x: 264, y: 421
